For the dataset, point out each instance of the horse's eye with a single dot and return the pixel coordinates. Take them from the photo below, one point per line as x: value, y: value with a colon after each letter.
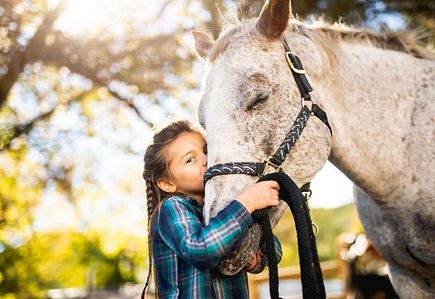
x: 260, y: 99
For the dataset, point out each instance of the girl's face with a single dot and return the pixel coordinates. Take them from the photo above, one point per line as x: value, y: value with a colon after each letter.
x: 187, y: 157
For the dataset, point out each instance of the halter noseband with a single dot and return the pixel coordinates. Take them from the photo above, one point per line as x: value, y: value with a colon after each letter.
x: 260, y: 168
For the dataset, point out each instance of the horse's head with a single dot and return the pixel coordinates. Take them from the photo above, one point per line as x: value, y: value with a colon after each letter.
x: 250, y: 101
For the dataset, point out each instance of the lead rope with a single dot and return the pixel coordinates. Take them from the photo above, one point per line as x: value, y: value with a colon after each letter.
x: 311, y: 274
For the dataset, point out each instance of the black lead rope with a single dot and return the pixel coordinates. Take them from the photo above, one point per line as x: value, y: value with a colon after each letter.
x: 311, y: 273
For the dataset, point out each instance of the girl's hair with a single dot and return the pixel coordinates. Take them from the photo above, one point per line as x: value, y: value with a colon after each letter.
x: 156, y: 167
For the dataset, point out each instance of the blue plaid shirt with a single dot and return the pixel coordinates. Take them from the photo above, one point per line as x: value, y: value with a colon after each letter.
x: 185, y: 250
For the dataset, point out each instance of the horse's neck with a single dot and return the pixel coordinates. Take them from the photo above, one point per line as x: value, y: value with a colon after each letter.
x: 370, y: 109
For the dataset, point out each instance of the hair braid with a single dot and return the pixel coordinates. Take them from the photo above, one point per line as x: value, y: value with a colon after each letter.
x: 152, y: 202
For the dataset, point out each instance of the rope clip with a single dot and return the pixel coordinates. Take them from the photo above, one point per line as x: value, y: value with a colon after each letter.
x: 267, y: 163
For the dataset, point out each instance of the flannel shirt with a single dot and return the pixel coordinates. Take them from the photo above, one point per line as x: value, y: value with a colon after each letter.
x: 185, y: 251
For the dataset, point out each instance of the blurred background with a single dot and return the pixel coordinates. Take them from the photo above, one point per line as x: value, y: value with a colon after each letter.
x: 82, y: 82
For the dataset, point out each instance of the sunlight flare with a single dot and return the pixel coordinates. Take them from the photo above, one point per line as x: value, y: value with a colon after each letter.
x: 90, y: 17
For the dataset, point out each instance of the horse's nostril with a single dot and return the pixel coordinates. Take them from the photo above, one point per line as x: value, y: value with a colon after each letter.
x: 421, y: 255
x: 424, y: 220
x: 427, y: 282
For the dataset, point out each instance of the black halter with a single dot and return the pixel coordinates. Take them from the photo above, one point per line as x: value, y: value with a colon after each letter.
x: 260, y: 168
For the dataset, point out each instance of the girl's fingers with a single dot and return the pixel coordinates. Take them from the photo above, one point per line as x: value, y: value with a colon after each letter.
x: 273, y: 184
x: 274, y: 193
x: 274, y: 198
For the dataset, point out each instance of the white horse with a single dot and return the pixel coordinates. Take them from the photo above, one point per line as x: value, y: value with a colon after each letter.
x: 378, y: 91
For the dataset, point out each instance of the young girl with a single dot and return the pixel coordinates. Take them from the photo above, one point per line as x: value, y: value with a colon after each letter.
x: 185, y: 250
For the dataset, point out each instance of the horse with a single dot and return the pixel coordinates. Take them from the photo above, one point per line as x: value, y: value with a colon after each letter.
x: 378, y: 90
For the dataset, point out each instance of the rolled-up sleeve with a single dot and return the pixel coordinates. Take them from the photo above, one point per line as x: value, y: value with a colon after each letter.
x: 202, y: 246
x: 278, y: 249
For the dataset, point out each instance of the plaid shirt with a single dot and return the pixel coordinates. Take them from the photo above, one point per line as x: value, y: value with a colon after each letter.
x: 185, y: 250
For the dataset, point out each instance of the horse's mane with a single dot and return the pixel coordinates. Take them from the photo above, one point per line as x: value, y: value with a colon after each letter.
x: 410, y: 41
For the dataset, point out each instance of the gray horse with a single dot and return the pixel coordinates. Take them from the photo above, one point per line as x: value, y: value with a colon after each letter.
x: 379, y: 93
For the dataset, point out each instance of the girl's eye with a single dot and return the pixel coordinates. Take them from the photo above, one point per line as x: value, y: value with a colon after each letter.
x: 189, y: 160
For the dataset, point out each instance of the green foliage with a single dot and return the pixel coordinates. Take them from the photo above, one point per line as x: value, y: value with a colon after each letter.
x: 66, y: 259
x: 18, y: 193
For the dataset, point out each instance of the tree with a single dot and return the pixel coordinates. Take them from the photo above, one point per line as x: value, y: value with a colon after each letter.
x: 57, y: 73
x: 64, y: 100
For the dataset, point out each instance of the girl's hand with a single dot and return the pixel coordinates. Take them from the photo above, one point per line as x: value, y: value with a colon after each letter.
x: 260, y: 195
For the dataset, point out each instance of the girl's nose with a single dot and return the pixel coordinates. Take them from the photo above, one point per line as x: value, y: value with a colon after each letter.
x: 204, y: 160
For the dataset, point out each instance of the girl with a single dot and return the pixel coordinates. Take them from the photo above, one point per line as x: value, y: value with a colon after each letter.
x: 184, y: 250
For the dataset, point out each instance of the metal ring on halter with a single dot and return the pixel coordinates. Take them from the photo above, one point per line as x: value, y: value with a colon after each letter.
x: 315, y: 229
x: 307, y: 194
x: 291, y: 65
x: 268, y: 162
x: 303, y: 101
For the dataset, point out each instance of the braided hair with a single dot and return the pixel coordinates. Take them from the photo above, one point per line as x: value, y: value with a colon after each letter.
x: 156, y: 168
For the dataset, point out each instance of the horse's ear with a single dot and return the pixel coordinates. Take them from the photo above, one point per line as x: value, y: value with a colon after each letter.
x: 274, y: 18
x: 203, y: 44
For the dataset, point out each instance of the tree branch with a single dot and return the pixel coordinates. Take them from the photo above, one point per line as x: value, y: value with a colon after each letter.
x: 18, y: 58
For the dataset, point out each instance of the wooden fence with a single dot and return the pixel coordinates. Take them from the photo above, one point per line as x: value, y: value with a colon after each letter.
x: 330, y: 269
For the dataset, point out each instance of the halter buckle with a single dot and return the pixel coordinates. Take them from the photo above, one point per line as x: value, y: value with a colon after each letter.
x: 291, y: 65
x: 266, y: 163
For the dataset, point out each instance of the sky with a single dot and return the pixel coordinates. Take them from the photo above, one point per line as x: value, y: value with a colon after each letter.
x: 331, y: 188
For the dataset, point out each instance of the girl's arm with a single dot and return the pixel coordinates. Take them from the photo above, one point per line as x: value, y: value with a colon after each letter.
x: 199, y: 245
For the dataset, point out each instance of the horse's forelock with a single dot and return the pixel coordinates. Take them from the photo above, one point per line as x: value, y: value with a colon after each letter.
x: 226, y: 37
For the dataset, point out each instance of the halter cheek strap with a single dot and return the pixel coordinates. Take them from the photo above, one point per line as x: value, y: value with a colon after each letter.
x: 303, y: 84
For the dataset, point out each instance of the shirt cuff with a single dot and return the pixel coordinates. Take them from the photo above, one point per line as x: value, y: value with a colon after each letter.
x: 240, y: 213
